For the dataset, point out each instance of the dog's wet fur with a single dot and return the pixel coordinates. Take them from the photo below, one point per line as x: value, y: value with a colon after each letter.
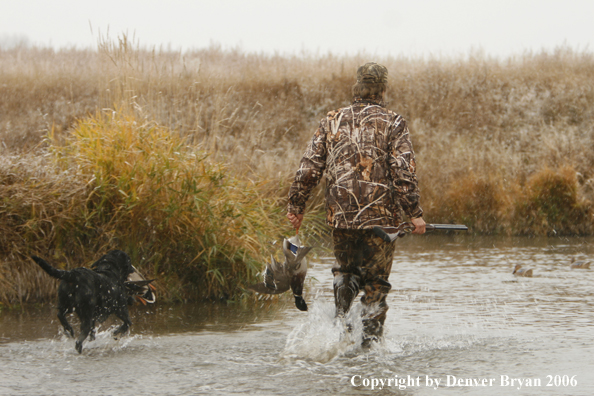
x: 94, y: 294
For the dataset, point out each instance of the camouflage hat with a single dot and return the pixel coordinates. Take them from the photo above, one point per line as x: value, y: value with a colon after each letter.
x: 372, y: 72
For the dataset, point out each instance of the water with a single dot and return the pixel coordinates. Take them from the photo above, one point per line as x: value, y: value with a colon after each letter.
x: 456, y: 311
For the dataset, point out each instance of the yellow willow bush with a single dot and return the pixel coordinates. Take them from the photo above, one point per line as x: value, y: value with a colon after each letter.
x: 138, y: 187
x: 551, y: 205
x: 480, y: 203
x: 189, y: 218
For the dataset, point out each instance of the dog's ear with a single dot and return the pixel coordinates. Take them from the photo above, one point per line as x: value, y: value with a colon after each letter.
x: 129, y: 263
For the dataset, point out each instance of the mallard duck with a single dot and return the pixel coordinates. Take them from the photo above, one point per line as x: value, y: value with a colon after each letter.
x: 140, y: 288
x: 278, y: 278
x: 519, y: 271
x: 579, y: 264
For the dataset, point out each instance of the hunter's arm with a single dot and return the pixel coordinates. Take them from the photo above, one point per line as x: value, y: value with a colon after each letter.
x: 403, y: 169
x: 310, y: 172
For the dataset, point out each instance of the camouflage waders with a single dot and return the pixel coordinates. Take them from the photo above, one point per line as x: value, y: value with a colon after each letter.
x: 364, y: 261
x: 366, y: 154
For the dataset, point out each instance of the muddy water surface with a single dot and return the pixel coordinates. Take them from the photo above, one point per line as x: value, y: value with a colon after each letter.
x: 457, y: 316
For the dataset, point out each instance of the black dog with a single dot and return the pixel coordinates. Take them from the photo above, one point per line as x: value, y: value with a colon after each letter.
x: 94, y: 294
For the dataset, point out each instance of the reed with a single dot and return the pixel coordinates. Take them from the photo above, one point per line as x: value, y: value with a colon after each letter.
x: 137, y: 186
x: 503, y: 145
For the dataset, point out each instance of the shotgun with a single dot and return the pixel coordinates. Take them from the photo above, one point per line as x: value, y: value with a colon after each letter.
x: 389, y: 234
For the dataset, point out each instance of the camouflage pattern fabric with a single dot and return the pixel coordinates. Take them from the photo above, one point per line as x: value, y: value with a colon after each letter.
x: 363, y: 260
x: 369, y: 161
x: 372, y: 73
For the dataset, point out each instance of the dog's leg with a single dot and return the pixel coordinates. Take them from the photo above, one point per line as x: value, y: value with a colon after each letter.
x: 62, y: 317
x: 125, y: 316
x: 86, y: 326
x: 123, y: 328
x: 93, y: 331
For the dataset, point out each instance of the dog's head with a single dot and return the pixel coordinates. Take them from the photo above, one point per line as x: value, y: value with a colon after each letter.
x: 115, y: 262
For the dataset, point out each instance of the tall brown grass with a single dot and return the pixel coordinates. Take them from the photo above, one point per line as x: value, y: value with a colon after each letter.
x: 503, y: 145
x: 117, y: 182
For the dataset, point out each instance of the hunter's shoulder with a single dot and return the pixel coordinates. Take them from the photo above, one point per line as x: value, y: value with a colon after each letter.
x: 397, y: 120
x: 390, y: 113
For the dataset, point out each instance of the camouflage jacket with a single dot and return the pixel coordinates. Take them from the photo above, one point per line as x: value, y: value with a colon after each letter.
x: 369, y: 161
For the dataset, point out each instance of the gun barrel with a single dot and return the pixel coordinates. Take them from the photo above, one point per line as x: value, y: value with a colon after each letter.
x: 389, y: 234
x: 447, y: 227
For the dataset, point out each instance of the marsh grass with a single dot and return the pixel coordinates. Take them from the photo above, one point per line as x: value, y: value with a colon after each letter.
x: 139, y: 187
x: 184, y: 158
x: 551, y: 202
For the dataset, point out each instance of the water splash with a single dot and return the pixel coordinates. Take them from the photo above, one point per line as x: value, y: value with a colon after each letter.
x: 322, y: 337
x: 104, y: 342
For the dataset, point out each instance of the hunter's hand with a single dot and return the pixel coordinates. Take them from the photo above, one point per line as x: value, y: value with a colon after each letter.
x: 296, y: 220
x: 419, y: 224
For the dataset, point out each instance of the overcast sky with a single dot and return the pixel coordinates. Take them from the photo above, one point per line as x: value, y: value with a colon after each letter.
x: 382, y: 27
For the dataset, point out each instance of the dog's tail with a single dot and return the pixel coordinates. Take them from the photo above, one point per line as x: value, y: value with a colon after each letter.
x: 53, y: 272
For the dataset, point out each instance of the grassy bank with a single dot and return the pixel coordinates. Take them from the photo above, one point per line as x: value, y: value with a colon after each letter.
x: 119, y: 182
x: 502, y: 145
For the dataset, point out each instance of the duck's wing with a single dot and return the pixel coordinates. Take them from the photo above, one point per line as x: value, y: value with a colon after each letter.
x: 275, y: 280
x: 263, y: 289
x: 141, y: 288
x: 294, y: 252
x: 279, y: 286
x: 149, y: 297
x: 269, y: 274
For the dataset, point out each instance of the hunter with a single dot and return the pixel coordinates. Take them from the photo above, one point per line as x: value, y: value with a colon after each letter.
x: 366, y: 153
